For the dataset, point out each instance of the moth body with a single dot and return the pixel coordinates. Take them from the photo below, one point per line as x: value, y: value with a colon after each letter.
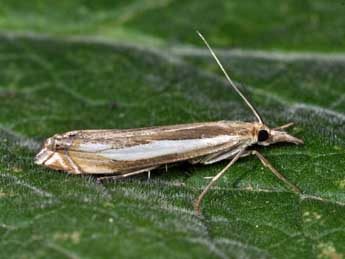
x: 126, y: 151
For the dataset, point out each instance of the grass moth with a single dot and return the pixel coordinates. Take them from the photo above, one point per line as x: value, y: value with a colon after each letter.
x: 123, y: 153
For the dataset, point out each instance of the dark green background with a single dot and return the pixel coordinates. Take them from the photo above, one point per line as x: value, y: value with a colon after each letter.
x: 122, y: 64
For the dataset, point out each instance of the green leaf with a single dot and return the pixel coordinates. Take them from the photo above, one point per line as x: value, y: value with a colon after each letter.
x: 263, y: 24
x: 56, y: 83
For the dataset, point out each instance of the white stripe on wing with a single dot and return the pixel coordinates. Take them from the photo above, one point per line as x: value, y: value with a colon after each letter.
x: 164, y: 147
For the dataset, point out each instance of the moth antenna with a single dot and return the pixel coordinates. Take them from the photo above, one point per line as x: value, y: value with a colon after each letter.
x: 229, y: 79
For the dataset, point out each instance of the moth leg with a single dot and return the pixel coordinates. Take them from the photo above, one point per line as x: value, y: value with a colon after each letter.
x: 218, y: 157
x: 149, y: 174
x: 214, y: 179
x: 267, y: 164
x: 121, y: 176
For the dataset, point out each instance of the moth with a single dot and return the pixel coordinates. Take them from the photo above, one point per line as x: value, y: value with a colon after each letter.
x: 124, y: 153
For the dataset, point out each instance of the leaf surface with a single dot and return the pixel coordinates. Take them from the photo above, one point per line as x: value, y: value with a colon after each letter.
x: 51, y: 82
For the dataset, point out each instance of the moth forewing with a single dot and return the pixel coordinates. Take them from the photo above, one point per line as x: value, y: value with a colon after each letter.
x: 125, y: 151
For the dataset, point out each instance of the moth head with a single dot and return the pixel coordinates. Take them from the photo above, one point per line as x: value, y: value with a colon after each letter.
x: 267, y: 136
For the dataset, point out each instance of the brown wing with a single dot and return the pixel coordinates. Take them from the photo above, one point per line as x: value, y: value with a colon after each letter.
x: 123, y: 151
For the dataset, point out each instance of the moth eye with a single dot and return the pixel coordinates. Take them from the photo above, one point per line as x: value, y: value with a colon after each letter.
x: 263, y: 135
